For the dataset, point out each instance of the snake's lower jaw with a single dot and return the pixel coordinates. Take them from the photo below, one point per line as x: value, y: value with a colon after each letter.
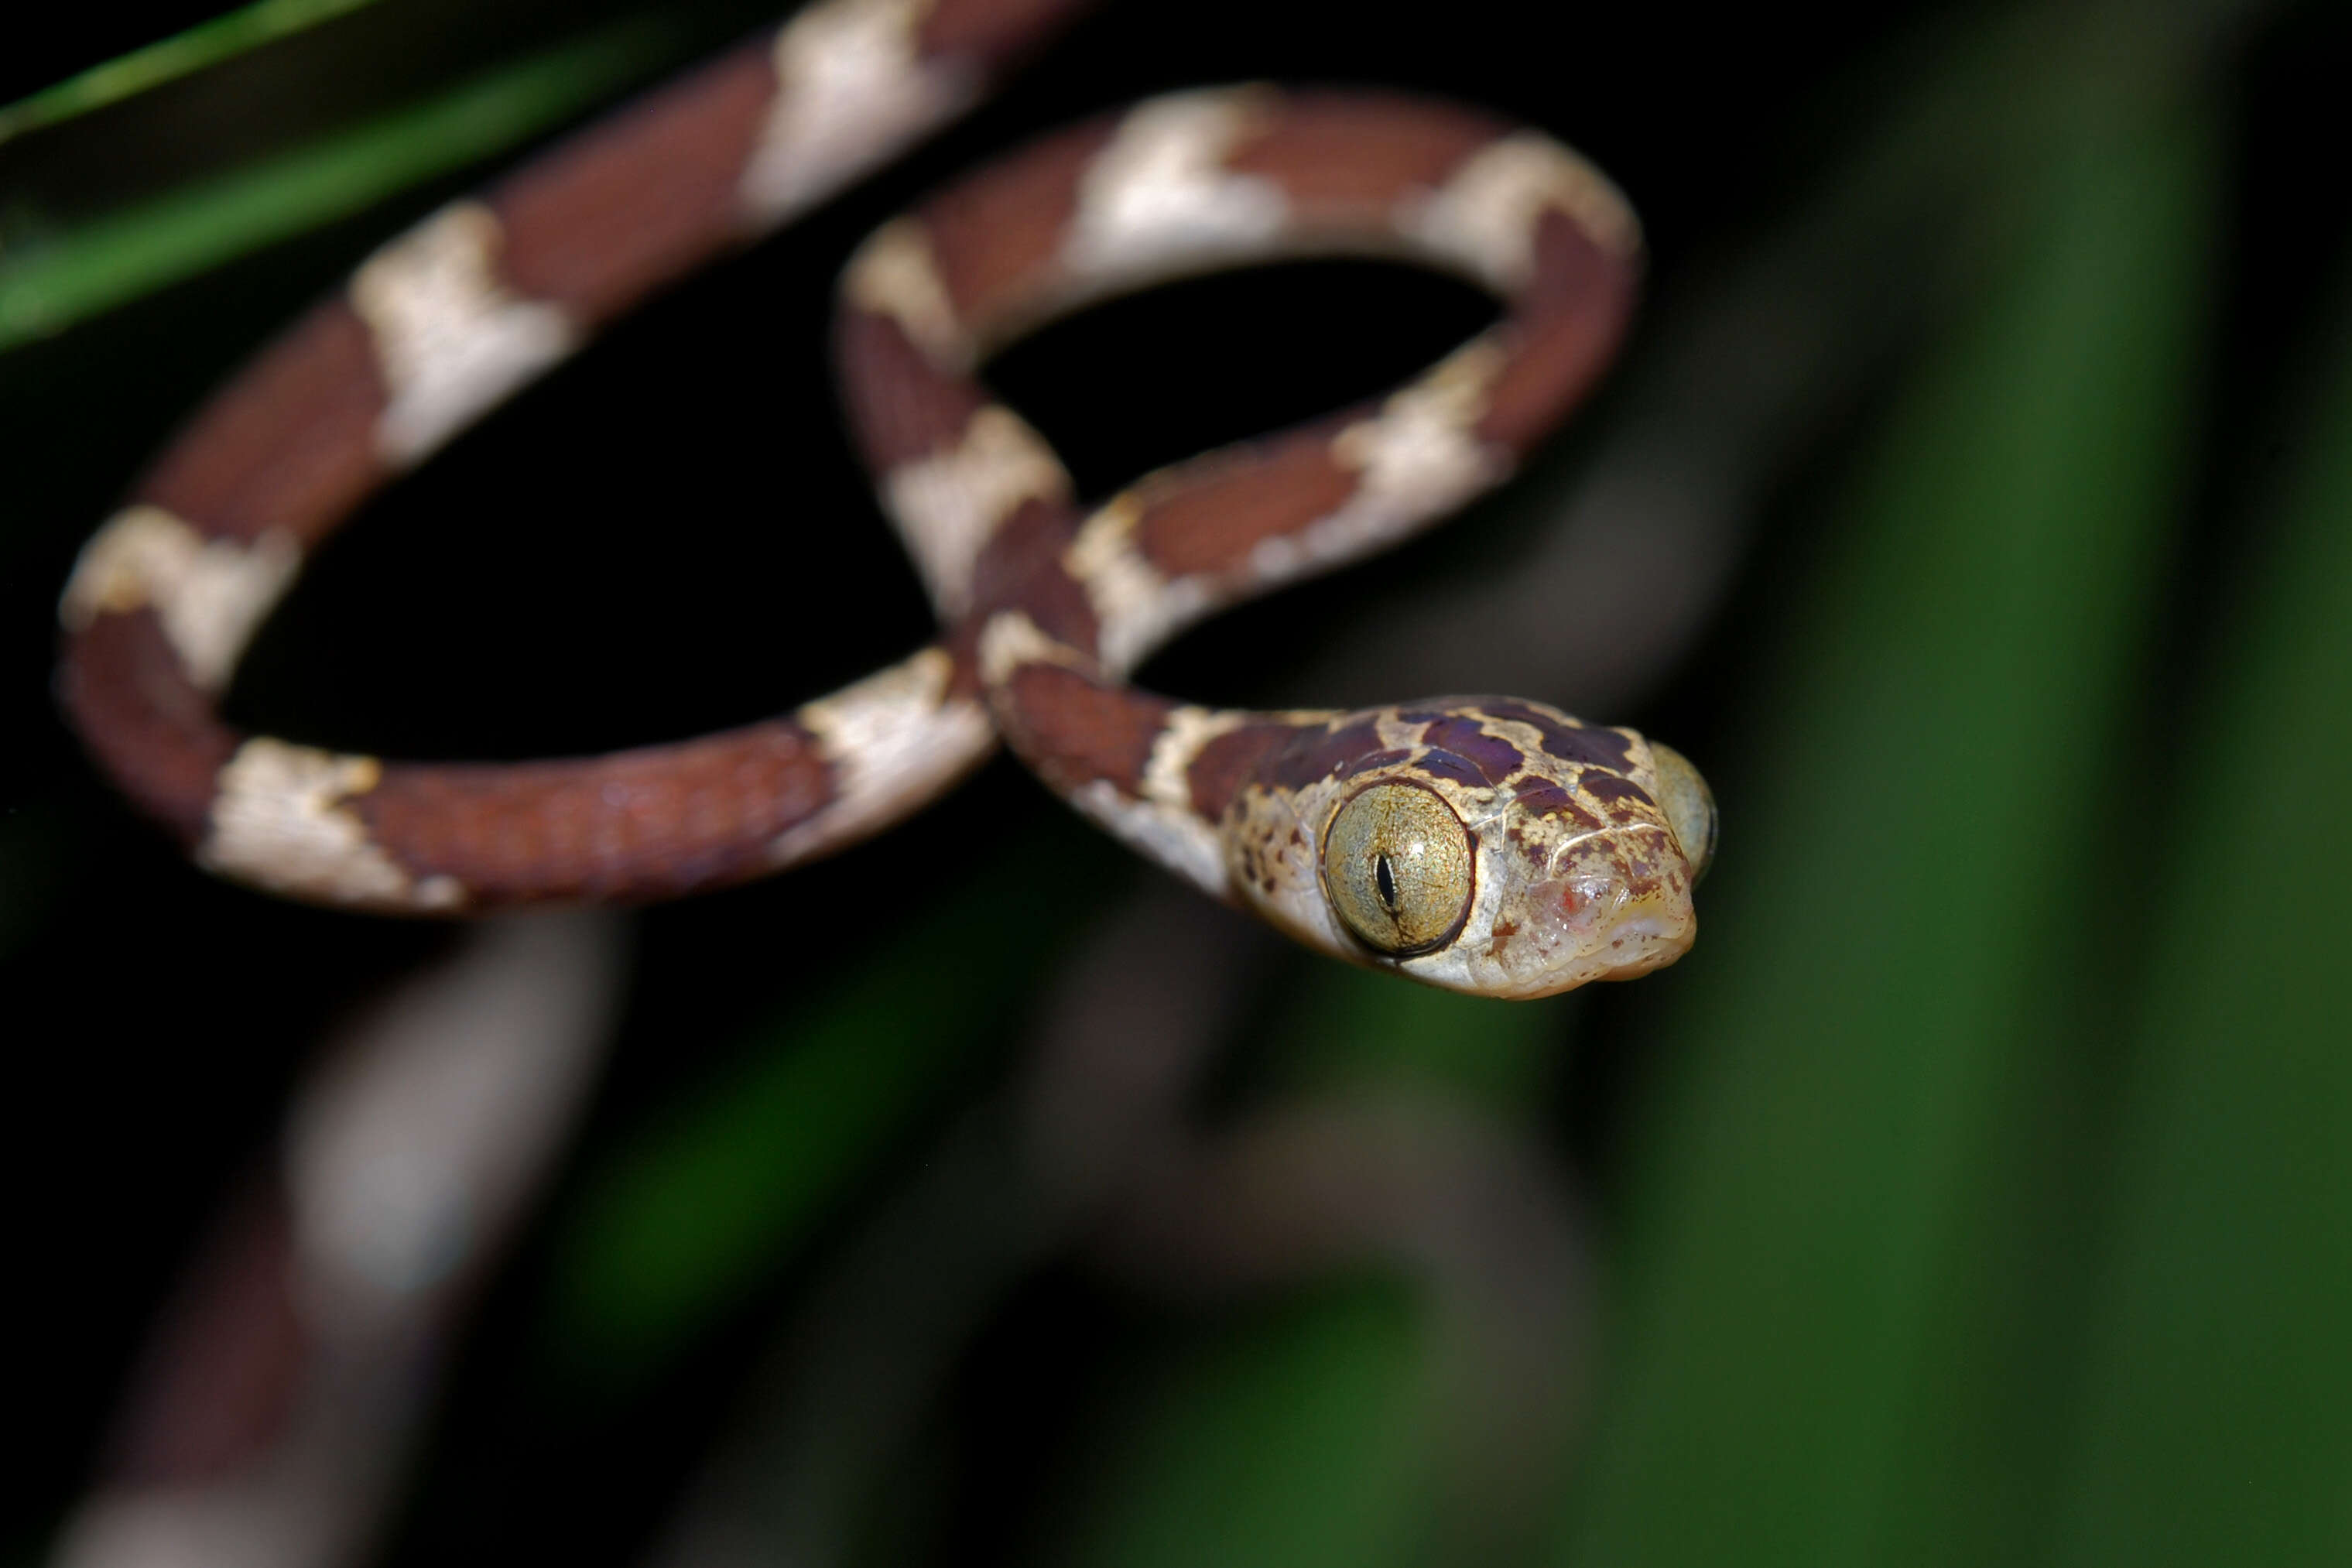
x: 1639, y: 933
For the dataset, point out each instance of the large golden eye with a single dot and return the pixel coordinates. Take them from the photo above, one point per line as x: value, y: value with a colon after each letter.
x: 1689, y: 805
x: 1398, y: 868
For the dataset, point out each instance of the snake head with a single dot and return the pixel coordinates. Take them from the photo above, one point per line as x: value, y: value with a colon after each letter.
x: 1483, y: 845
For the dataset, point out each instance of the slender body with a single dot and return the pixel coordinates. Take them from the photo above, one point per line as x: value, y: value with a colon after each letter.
x: 1488, y: 845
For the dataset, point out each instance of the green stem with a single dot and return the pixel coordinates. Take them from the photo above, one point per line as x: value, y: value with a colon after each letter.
x: 80, y: 274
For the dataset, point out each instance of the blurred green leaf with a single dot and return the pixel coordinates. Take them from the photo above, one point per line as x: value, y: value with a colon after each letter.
x: 710, y: 1200
x: 1339, y: 1026
x: 689, y: 1217
x: 1834, y: 1264
x: 47, y: 286
x: 207, y: 43
x: 1294, y: 1438
x: 2215, y: 1425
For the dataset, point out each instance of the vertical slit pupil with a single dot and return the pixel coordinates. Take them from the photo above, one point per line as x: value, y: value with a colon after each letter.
x: 1386, y: 878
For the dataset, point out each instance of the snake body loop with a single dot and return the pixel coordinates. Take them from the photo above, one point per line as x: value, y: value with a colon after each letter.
x: 1486, y: 845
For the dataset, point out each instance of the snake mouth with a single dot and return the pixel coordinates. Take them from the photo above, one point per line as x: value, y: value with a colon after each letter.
x: 1630, y: 937
x: 1610, y: 903
x: 1641, y: 930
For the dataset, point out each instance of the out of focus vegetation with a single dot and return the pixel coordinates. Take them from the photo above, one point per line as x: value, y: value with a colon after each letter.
x: 1977, y: 1191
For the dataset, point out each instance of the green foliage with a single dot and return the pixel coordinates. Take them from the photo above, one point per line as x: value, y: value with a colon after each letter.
x: 1294, y: 1438
x: 704, y: 1204
x: 2220, y: 1377
x: 182, y: 54
x: 47, y: 286
x: 1824, y: 1278
x: 1337, y: 1028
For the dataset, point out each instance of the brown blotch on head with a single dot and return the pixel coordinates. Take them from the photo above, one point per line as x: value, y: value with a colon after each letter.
x: 1586, y: 743
x: 1447, y: 765
x: 152, y: 729
x: 1646, y: 876
x: 1503, y: 932
x: 995, y: 236
x: 1074, y: 730
x: 1544, y: 798
x: 652, y: 823
x: 288, y: 444
x: 901, y: 407
x: 1345, y: 160
x: 1378, y: 762
x: 641, y: 197
x: 1614, y: 788
x: 1210, y: 514
x: 1562, y: 329
x: 1494, y: 756
x: 1223, y: 764
x: 1316, y: 752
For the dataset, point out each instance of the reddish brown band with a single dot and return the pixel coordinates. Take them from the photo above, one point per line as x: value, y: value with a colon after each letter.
x: 643, y: 197
x: 1344, y: 157
x: 1212, y: 512
x: 288, y: 444
x: 1023, y: 565
x: 1565, y: 330
x: 628, y: 827
x: 144, y: 720
x: 994, y: 235
x: 901, y: 407
x: 1090, y: 730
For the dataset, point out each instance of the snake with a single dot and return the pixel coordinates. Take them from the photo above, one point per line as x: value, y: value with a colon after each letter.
x: 1489, y: 844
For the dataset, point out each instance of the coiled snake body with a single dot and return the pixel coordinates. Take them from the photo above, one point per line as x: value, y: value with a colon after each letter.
x: 1493, y: 846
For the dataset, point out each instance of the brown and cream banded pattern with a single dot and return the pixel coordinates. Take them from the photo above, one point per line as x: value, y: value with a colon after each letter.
x: 1486, y: 845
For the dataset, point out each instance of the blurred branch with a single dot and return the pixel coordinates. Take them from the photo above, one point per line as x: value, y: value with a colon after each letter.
x: 1105, y: 1145
x: 673, y: 1226
x: 278, y: 1399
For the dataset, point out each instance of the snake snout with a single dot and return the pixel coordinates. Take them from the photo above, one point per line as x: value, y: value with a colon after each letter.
x: 1613, y: 904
